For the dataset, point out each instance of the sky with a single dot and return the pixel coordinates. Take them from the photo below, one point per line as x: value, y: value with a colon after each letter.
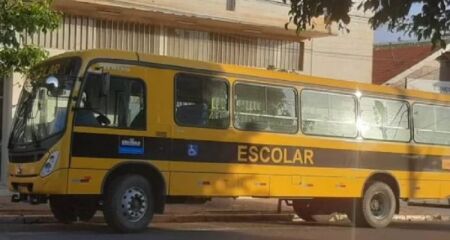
x: 382, y: 35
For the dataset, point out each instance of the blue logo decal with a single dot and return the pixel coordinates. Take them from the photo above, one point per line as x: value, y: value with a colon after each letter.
x: 192, y: 150
x: 131, y: 145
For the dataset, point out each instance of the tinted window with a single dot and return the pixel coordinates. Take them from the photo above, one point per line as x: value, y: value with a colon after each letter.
x: 384, y: 119
x: 201, y: 101
x: 431, y: 124
x: 265, y: 108
x: 328, y: 114
x: 123, y: 107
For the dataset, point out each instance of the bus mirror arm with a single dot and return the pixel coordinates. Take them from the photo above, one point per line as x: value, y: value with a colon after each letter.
x: 106, y: 83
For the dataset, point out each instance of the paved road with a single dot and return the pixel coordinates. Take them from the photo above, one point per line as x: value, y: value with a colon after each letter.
x: 218, y: 231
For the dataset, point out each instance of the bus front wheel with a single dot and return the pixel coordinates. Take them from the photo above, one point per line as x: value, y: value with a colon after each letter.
x: 129, y: 203
x: 67, y: 209
x: 376, y: 208
x: 62, y: 209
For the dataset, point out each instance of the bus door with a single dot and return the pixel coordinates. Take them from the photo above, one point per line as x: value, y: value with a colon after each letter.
x: 111, y: 124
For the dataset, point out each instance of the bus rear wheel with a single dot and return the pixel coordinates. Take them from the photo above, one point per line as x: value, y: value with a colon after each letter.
x: 376, y: 208
x: 129, y: 203
x: 304, y: 208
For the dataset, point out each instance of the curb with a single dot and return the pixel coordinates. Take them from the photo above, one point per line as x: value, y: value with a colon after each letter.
x: 421, y: 218
x: 401, y: 218
x: 43, y: 219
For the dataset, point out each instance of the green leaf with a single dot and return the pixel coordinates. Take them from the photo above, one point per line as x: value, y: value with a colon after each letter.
x: 431, y: 23
x: 18, y: 19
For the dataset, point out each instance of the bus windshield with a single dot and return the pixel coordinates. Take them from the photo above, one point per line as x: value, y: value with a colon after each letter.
x: 42, y: 108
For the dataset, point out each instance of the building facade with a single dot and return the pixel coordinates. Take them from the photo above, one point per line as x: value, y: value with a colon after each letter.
x: 242, y: 32
x: 413, y: 65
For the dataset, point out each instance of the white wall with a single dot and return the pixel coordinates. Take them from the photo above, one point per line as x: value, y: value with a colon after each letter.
x: 346, y: 56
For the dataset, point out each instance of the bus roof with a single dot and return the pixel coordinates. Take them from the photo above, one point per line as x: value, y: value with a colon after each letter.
x: 255, y: 72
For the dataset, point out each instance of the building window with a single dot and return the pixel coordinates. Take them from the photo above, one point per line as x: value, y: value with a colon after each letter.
x: 82, y: 32
x: 123, y: 107
x: 431, y: 124
x: 328, y: 114
x: 201, y: 101
x: 231, y: 5
x: 265, y: 108
x: 383, y: 119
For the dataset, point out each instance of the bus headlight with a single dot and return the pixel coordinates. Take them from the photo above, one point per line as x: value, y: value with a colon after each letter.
x: 50, y: 164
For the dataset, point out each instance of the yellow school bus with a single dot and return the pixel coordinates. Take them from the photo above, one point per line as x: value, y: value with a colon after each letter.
x: 126, y: 133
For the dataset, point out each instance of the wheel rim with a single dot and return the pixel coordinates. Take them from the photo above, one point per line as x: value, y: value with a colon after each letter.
x: 134, y: 204
x: 380, y: 205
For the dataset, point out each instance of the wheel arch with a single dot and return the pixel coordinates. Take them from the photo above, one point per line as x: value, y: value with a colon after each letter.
x: 387, y: 178
x: 149, y: 171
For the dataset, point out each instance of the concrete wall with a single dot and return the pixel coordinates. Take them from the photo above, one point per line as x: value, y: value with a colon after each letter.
x: 6, y: 123
x: 431, y: 74
x: 430, y: 70
x: 346, y: 56
x: 444, y: 72
x: 259, y: 18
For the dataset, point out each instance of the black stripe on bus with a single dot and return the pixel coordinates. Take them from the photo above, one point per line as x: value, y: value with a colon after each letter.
x: 107, y: 146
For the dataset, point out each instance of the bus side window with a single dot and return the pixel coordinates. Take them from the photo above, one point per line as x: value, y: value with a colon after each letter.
x: 431, y: 124
x: 384, y: 119
x: 201, y: 101
x: 328, y: 114
x: 265, y: 108
x: 123, y: 107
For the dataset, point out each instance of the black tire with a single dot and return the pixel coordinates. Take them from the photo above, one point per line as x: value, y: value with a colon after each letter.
x: 376, y: 208
x: 68, y: 209
x: 129, y: 203
x: 63, y: 210
x: 304, y: 209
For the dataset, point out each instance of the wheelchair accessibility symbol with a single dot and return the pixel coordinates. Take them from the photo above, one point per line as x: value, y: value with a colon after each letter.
x: 192, y: 150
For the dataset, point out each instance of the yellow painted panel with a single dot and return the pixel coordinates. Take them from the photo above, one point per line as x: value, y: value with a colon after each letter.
x: 108, y: 163
x: 212, y: 184
x: 237, y: 168
x: 283, y: 186
x: 307, y: 186
x: 425, y: 189
x: 421, y: 184
x: 85, y: 181
x: 331, y: 186
x: 445, y: 190
x: 55, y: 183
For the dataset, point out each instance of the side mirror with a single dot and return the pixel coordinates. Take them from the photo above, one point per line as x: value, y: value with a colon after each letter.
x: 52, y: 84
x: 106, y: 83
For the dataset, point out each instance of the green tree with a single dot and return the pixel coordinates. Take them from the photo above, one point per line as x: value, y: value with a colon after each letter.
x: 431, y: 23
x: 19, y: 18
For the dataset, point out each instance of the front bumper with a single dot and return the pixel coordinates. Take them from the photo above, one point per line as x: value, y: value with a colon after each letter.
x: 55, y: 183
